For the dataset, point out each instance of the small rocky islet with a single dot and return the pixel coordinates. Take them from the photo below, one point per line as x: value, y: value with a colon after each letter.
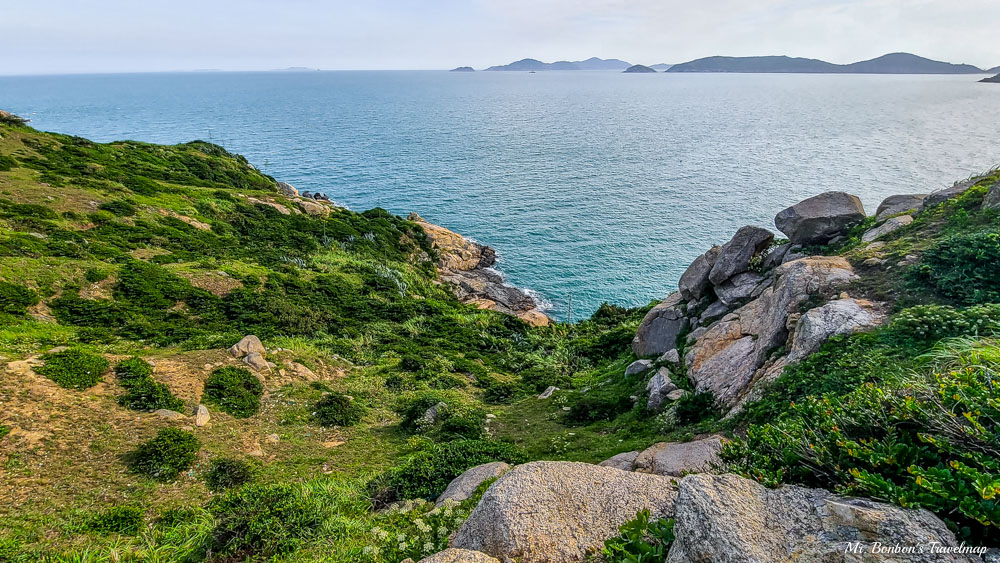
x: 760, y: 412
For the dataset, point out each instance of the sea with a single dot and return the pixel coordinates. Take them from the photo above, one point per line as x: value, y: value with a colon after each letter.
x: 593, y: 186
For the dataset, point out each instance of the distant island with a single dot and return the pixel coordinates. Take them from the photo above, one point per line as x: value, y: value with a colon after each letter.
x: 463, y: 69
x: 639, y: 69
x: 893, y: 63
x: 995, y: 69
x: 592, y: 63
x: 995, y: 79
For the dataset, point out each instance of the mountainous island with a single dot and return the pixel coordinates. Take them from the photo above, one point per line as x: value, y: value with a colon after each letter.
x: 592, y: 63
x: 893, y: 63
x: 639, y: 69
x: 463, y: 69
x: 201, y: 363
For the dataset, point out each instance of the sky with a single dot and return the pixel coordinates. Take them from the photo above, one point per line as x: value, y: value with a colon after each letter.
x: 80, y: 36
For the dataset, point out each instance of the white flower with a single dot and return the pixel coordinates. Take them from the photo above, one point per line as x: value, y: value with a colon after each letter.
x: 401, y: 546
x: 428, y: 547
x: 401, y: 538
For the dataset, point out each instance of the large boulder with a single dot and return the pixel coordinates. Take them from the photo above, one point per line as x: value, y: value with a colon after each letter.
x: 738, y: 288
x: 889, y: 226
x: 896, y: 204
x: 286, y: 189
x: 694, y: 281
x: 725, y: 357
x: 658, y: 330
x: 637, y: 367
x: 677, y: 459
x: 455, y: 555
x: 836, y: 317
x: 734, y: 256
x: 658, y: 387
x: 992, y: 198
x: 462, y: 487
x: 729, y: 518
x: 556, y: 512
x: 940, y: 196
x: 621, y: 461
x: 247, y: 345
x: 820, y: 218
x: 455, y: 252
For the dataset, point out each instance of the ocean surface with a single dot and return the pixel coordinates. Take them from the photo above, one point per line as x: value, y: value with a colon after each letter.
x: 592, y: 186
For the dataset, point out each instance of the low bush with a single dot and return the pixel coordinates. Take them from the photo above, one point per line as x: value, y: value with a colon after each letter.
x: 165, y: 456
x: 143, y: 393
x: 965, y: 267
x: 695, y: 407
x: 94, y: 275
x: 6, y: 163
x: 133, y: 369
x: 15, y: 299
x: 119, y: 207
x: 74, y: 368
x: 234, y: 390
x: 125, y: 520
x: 640, y: 541
x: 599, y: 405
x: 337, y: 409
x: 428, y: 472
x: 225, y: 473
x: 264, y: 521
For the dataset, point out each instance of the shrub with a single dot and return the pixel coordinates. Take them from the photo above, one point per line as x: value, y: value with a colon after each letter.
x: 695, y: 407
x: 124, y: 520
x: 133, y: 369
x: 234, y: 390
x: 149, y: 395
x: 965, y: 267
x: 228, y: 473
x: 469, y: 424
x: 428, y: 472
x: 166, y: 455
x: 94, y: 275
x: 599, y: 405
x: 264, y: 521
x: 15, y: 300
x: 74, y: 368
x: 119, y: 207
x: 7, y: 162
x: 337, y: 409
x: 414, y: 408
x: 640, y: 541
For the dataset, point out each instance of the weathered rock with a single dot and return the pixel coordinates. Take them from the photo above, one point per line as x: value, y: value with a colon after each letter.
x: 286, y: 189
x: 676, y: 394
x: 455, y: 555
x: 729, y: 518
x: 715, y: 311
x: 818, y: 219
x: 169, y: 414
x: 889, y: 226
x: 679, y: 458
x: 455, y: 252
x: 774, y: 258
x: 940, y: 196
x: 201, y: 415
x: 992, y: 198
x: 899, y: 203
x: 671, y: 357
x: 312, y: 208
x: 637, y: 367
x: 256, y: 361
x: 430, y: 415
x: 555, y: 512
x: 724, y: 359
x: 462, y: 487
x: 658, y: 387
x: 836, y: 317
x: 658, y: 330
x: 534, y: 318
x: 247, y: 345
x: 694, y: 281
x: 621, y: 461
x: 794, y: 253
x: 734, y: 256
x: 548, y: 392
x: 737, y: 288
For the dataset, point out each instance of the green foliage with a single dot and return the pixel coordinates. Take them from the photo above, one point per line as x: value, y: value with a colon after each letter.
x: 74, y: 368
x: 126, y: 520
x: 929, y: 442
x: 428, y: 472
x: 695, y: 407
x: 337, y: 409
x: 964, y: 267
x: 94, y: 275
x: 165, y: 456
x: 226, y: 473
x: 7, y: 163
x: 143, y: 392
x: 234, y: 390
x: 640, y: 541
x: 599, y: 404
x: 119, y: 207
x: 264, y: 521
x: 15, y: 299
x: 4, y: 430
x: 417, y: 528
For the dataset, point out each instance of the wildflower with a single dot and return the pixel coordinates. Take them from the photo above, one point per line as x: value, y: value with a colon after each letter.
x: 401, y: 538
x: 428, y: 547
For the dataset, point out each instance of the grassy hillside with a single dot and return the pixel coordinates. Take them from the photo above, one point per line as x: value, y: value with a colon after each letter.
x: 127, y: 270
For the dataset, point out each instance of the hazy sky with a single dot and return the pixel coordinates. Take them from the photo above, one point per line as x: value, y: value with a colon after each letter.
x: 56, y: 36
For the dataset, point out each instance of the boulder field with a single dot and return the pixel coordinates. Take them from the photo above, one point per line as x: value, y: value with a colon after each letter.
x: 742, y: 312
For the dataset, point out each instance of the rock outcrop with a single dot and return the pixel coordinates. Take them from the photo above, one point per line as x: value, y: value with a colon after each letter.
x: 462, y: 487
x: 660, y: 327
x: 890, y: 225
x: 841, y: 316
x: 659, y: 387
x: 896, y: 204
x: 559, y: 511
x: 729, y: 518
x: 623, y: 461
x: 992, y: 198
x: 287, y: 189
x: 455, y: 555
x: 694, y: 281
x: 676, y: 459
x: 734, y: 256
x: 466, y: 266
x: 940, y: 196
x: 820, y: 218
x: 247, y: 345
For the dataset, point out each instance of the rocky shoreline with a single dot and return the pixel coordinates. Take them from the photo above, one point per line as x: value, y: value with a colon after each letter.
x: 467, y: 266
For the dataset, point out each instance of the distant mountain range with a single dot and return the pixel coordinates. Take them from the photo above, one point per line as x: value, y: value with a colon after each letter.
x: 893, y: 63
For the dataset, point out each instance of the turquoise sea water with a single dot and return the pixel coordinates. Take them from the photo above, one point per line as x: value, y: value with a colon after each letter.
x: 592, y: 186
